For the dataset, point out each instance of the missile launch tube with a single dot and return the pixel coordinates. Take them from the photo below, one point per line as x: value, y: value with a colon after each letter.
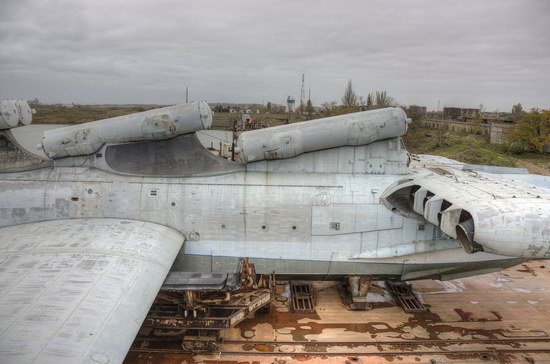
x: 14, y: 113
x: 25, y: 112
x: 158, y: 124
x: 289, y: 141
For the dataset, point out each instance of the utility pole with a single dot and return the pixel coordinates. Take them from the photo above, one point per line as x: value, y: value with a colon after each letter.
x: 187, y: 95
x: 302, y: 96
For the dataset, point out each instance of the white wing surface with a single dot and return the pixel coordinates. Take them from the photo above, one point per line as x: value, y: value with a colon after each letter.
x: 78, y: 290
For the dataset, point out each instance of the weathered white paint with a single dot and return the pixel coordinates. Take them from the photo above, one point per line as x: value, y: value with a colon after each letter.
x: 287, y: 141
x: 78, y: 290
x: 511, y: 216
x: 14, y: 113
x: 156, y: 124
x: 280, y: 213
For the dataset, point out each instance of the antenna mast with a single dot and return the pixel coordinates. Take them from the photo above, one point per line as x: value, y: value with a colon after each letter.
x: 302, y: 96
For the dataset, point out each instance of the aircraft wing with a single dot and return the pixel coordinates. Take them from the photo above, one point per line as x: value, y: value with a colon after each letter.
x: 506, y: 216
x: 78, y: 290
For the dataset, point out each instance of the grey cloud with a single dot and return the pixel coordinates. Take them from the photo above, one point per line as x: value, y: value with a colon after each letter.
x: 462, y: 53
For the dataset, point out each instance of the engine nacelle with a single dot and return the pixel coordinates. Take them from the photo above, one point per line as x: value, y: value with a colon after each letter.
x: 516, y: 226
x: 158, y: 124
x: 14, y: 113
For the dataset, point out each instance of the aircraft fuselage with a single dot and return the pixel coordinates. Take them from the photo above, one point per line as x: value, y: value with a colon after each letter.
x: 305, y: 201
x: 304, y: 224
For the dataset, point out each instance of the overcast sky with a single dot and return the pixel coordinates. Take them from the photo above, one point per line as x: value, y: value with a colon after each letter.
x: 462, y: 53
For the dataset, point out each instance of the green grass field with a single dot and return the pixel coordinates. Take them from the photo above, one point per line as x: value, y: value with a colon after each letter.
x: 473, y: 149
x: 77, y: 114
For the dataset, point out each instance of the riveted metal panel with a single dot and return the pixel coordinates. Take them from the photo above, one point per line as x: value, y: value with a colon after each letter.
x: 353, y: 218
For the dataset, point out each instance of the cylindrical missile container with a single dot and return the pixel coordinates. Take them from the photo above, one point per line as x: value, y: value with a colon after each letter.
x: 25, y: 112
x: 291, y: 140
x: 9, y: 115
x: 158, y: 124
x: 14, y: 113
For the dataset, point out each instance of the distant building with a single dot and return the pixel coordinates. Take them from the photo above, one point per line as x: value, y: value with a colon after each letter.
x: 489, y: 117
x: 416, y: 112
x: 470, y: 114
x: 498, y: 132
x: 452, y: 113
x: 460, y: 114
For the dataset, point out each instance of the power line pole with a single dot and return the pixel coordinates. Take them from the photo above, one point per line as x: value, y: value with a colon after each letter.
x: 302, y: 96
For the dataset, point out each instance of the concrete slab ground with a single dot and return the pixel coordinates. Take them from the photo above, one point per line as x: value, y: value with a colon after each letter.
x: 499, y: 317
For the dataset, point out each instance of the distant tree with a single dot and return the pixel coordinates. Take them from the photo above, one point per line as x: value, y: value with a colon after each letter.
x: 34, y: 101
x: 309, y: 108
x: 532, y: 131
x: 517, y: 112
x: 328, y: 107
x: 268, y: 106
x: 277, y: 108
x: 517, y: 108
x: 370, y: 103
x: 362, y: 103
x: 221, y: 108
x: 383, y: 100
x: 349, y: 100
